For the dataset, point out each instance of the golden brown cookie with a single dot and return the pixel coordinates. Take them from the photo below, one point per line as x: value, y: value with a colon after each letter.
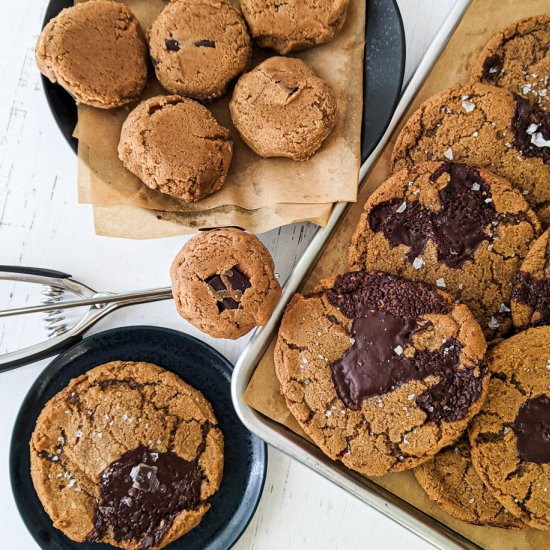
x: 198, y: 47
x: 126, y: 454
x: 488, y: 126
x: 381, y: 372
x: 224, y: 284
x: 451, y: 480
x: 175, y: 145
x: 283, y: 109
x: 294, y: 24
x: 97, y: 52
x: 510, y: 437
x: 531, y: 291
x: 518, y: 59
x: 457, y: 226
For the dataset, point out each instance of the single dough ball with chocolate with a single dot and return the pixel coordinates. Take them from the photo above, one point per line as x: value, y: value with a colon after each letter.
x: 294, y: 24
x: 198, y: 47
x: 224, y: 283
x: 381, y: 372
x: 283, y: 109
x: 175, y: 145
x: 97, y: 52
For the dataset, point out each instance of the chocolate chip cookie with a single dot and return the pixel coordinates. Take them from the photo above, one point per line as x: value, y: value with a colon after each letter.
x: 457, y: 226
x: 223, y: 283
x: 451, y: 480
x: 510, y: 436
x: 294, y: 24
x: 518, y: 59
x: 531, y: 292
x: 381, y: 372
x: 126, y: 454
x: 175, y: 145
x: 283, y: 109
x: 97, y: 52
x: 488, y: 126
x: 198, y: 47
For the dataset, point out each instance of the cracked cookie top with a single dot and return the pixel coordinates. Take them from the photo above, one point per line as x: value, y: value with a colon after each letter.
x: 126, y: 454
x: 510, y: 437
x: 486, y: 126
x: 531, y: 292
x: 380, y: 371
x: 459, y: 227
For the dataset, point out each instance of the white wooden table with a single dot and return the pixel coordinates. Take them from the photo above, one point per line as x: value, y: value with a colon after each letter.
x: 41, y: 224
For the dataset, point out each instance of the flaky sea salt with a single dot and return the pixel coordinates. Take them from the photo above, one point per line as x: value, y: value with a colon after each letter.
x: 398, y: 350
x: 418, y: 263
x: 402, y: 208
x: 448, y: 154
x: 493, y: 323
x: 441, y: 283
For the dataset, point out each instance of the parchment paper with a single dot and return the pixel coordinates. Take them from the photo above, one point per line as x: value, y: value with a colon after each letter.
x: 483, y: 19
x: 254, y: 184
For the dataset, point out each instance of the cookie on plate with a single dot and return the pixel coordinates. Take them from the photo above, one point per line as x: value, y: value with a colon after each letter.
x: 174, y: 145
x: 198, y: 47
x: 488, y: 126
x: 518, y: 59
x: 531, y: 291
x: 283, y: 109
x: 224, y: 284
x: 97, y: 52
x: 451, y: 480
x: 126, y: 454
x: 457, y: 226
x: 381, y: 372
x: 510, y: 436
x: 294, y: 24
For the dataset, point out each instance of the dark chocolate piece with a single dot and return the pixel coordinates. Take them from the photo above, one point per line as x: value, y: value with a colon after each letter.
x: 531, y: 127
x: 532, y: 429
x: 237, y: 280
x: 172, y: 45
x: 534, y: 293
x: 205, y: 44
x: 492, y: 67
x: 228, y: 288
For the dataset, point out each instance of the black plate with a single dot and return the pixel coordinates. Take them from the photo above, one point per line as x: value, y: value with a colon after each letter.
x: 384, y: 69
x: 195, y: 362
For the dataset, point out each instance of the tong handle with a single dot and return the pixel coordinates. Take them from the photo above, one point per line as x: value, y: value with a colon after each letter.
x: 36, y: 271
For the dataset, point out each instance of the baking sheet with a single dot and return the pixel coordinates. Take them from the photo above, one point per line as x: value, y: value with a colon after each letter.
x: 482, y: 19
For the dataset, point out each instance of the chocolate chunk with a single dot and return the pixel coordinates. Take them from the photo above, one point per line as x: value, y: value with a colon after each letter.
x: 457, y: 229
x: 531, y: 127
x: 385, y: 311
x: 534, y: 293
x: 205, y: 44
x: 492, y: 67
x: 172, y: 45
x: 228, y: 288
x: 141, y: 494
x: 215, y: 283
x: 532, y: 429
x: 237, y: 280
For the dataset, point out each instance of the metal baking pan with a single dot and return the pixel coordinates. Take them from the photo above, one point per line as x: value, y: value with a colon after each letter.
x: 408, y: 516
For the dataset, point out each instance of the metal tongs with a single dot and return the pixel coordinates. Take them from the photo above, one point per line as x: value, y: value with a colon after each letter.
x: 56, y: 285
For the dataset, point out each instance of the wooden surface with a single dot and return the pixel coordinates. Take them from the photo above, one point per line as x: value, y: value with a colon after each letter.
x: 41, y: 224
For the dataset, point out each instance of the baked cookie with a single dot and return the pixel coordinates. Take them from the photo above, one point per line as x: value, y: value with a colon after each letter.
x: 175, y: 145
x: 488, y: 126
x: 451, y: 480
x: 97, y: 52
x: 531, y: 291
x: 223, y: 283
x: 459, y: 227
x: 198, y: 47
x: 381, y: 372
x: 283, y: 109
x: 126, y: 454
x: 518, y: 59
x: 510, y: 436
x: 294, y: 24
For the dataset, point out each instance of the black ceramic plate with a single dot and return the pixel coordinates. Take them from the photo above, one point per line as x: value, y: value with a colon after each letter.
x: 195, y: 362
x: 384, y: 68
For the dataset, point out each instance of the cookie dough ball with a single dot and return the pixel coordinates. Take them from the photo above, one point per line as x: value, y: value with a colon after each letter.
x: 488, y: 126
x: 294, y: 24
x: 381, y: 372
x: 198, y: 47
x: 224, y: 284
x: 518, y: 59
x: 456, y: 226
x: 283, y: 109
x: 509, y: 437
x: 531, y: 292
x: 97, y: 52
x: 175, y: 145
x: 127, y: 454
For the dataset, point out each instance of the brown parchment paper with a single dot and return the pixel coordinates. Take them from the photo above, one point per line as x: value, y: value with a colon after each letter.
x: 482, y: 19
x: 254, y: 184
